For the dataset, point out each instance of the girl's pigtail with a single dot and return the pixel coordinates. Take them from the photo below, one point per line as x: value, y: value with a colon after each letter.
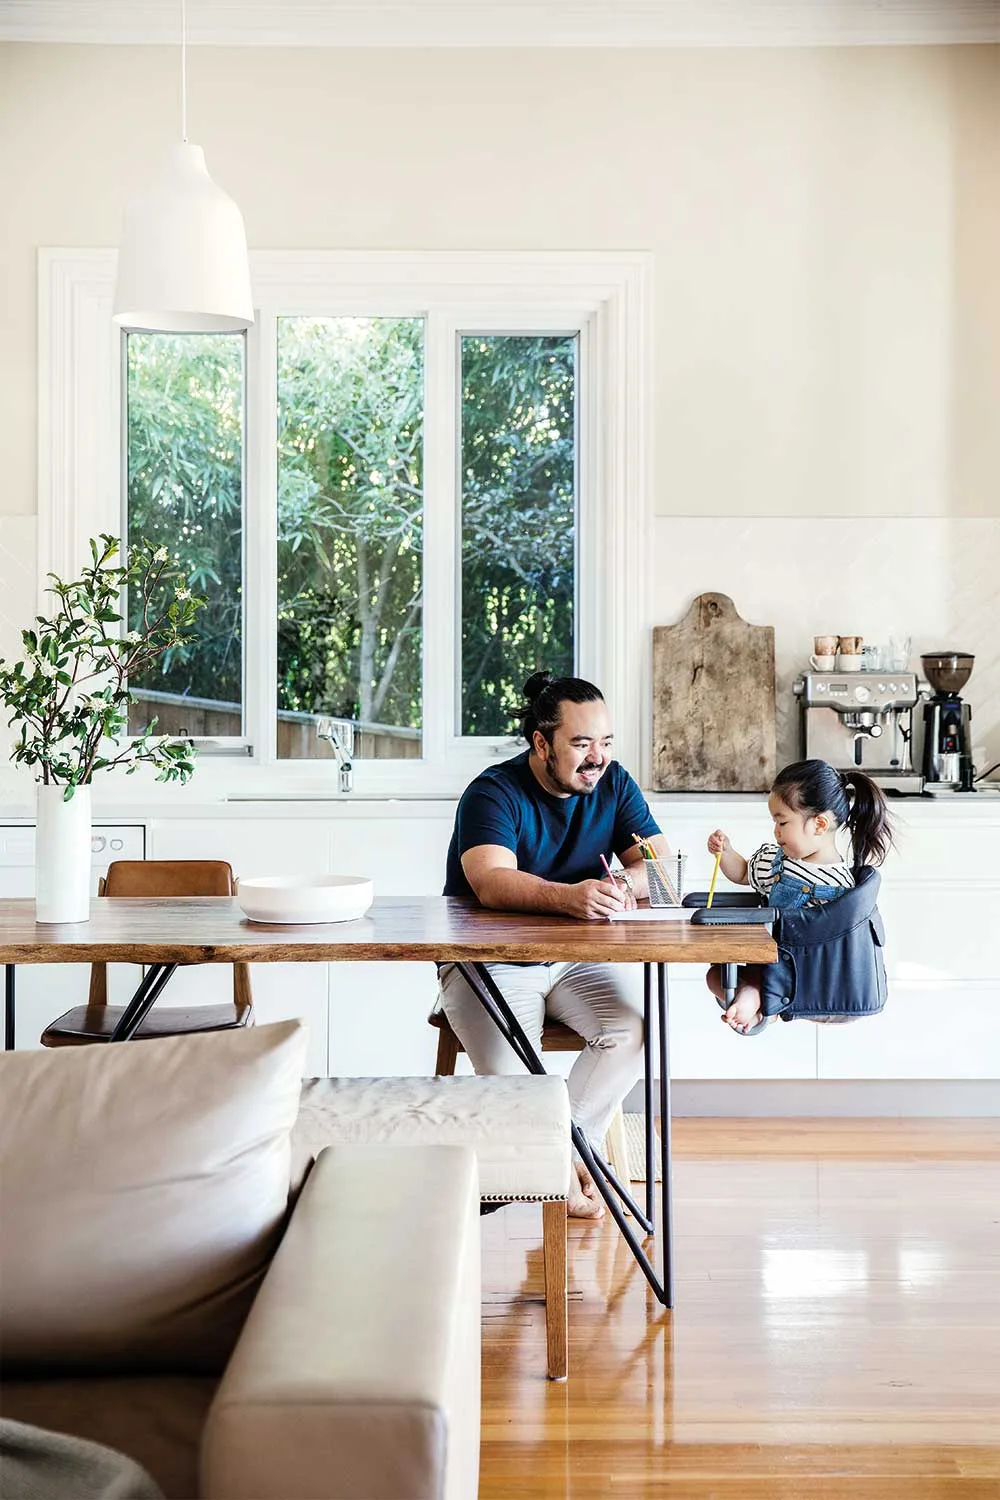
x: 868, y: 819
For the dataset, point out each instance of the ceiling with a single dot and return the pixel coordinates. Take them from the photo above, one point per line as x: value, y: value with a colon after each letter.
x: 506, y: 23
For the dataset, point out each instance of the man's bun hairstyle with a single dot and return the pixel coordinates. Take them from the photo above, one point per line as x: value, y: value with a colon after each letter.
x: 544, y: 696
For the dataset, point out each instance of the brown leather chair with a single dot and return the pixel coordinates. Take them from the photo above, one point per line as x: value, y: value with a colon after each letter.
x: 156, y: 879
x: 556, y: 1037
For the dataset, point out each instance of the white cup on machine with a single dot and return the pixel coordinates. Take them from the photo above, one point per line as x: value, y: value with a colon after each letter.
x: 824, y: 657
x: 849, y: 653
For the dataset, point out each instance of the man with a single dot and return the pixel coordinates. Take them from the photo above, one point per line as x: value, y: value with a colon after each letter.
x: 529, y: 836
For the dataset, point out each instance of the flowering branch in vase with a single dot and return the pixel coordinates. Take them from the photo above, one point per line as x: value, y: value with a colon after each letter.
x: 69, y: 696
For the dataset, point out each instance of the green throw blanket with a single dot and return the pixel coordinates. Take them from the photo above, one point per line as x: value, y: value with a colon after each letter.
x: 40, y: 1465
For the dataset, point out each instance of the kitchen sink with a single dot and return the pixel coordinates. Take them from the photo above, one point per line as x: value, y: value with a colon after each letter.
x: 343, y: 797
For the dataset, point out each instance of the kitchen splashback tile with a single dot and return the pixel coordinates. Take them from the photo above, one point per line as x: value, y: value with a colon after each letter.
x: 936, y: 580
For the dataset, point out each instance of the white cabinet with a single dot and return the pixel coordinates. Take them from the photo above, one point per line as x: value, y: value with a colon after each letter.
x: 940, y: 900
x: 255, y: 847
x: 45, y: 991
x: 702, y: 1046
x: 378, y: 1011
x: 926, y: 1031
x: 942, y: 1017
x: 946, y: 934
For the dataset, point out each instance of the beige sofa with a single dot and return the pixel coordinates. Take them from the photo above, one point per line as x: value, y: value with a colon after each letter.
x: 155, y: 1295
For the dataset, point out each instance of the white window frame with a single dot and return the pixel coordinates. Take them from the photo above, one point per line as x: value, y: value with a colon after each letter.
x: 604, y: 296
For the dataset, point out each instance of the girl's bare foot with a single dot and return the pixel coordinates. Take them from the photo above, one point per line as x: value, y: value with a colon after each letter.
x: 741, y: 1019
x: 745, y: 1011
x: 744, y: 1014
x: 584, y: 1201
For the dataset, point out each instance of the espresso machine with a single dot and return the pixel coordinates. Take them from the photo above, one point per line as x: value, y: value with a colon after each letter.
x: 861, y: 721
x: 947, y: 754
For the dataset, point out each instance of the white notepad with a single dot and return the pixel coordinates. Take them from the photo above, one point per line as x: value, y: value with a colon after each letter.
x: 655, y: 914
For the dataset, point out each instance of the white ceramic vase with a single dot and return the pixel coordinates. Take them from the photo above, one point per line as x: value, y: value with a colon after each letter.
x: 62, y: 855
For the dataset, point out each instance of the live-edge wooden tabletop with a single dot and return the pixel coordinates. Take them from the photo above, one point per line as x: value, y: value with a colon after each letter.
x: 209, y: 929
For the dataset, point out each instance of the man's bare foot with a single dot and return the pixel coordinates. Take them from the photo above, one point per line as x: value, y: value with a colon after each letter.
x: 584, y: 1201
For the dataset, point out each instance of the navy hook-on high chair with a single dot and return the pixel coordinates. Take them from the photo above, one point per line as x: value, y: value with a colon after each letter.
x: 831, y: 963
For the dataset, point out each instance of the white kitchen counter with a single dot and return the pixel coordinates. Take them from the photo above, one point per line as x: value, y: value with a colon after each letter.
x: 191, y: 802
x: 940, y: 898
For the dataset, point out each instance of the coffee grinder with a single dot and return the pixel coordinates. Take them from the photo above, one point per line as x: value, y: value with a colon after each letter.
x: 947, y: 760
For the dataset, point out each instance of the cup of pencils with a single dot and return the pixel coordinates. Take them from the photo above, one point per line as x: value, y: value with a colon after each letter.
x: 664, y: 875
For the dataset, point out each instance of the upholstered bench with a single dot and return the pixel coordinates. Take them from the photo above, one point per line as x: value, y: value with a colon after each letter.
x: 518, y: 1127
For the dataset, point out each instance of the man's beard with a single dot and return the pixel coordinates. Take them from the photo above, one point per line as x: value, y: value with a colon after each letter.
x: 556, y: 779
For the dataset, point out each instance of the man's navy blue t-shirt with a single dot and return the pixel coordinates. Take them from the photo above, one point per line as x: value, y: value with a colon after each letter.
x: 556, y: 838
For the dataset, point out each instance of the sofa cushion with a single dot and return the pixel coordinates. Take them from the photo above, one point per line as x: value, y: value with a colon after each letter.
x: 142, y: 1191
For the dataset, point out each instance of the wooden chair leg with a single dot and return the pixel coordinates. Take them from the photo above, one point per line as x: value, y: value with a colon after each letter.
x: 447, y: 1053
x: 554, y: 1258
x: 616, y: 1145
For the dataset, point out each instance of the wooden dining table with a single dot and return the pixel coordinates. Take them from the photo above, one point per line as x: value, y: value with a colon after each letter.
x: 165, y: 934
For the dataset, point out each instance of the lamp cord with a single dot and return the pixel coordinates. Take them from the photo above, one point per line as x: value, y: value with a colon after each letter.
x: 184, y: 91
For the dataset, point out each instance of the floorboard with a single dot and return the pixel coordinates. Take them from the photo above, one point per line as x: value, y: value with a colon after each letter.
x: 837, y: 1328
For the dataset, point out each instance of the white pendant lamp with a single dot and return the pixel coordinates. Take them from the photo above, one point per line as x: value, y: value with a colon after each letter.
x: 183, y: 265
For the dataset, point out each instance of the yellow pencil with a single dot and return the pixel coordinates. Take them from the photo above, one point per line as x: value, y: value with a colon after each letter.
x: 715, y: 876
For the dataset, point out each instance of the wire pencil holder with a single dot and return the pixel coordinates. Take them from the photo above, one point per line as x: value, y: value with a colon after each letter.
x: 665, y: 880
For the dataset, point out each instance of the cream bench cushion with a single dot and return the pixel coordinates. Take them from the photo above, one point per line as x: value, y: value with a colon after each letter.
x: 519, y: 1127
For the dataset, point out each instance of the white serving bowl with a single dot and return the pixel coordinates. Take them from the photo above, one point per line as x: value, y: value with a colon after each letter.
x: 305, y: 898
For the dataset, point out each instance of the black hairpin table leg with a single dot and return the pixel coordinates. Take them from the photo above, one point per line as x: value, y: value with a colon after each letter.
x: 665, y: 1228
x: 142, y: 1002
x: 647, y: 1087
x: 8, y: 1008
x: 486, y: 990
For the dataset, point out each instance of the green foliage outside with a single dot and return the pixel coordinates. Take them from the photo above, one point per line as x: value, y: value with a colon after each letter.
x: 518, y: 503
x: 350, y: 517
x: 350, y: 511
x: 185, y: 493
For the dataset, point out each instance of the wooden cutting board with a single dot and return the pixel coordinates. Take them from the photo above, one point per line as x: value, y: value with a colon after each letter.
x: 713, y: 701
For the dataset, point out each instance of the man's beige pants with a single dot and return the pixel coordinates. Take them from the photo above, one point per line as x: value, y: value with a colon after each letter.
x: 600, y: 1002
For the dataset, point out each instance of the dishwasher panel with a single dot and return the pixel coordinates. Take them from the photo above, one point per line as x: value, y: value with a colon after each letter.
x: 44, y: 991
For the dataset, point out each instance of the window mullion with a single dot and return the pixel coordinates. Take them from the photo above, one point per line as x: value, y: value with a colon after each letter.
x: 260, y: 510
x: 440, y: 531
x: 591, y: 603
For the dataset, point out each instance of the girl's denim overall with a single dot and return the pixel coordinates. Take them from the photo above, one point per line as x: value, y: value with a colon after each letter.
x: 790, y: 894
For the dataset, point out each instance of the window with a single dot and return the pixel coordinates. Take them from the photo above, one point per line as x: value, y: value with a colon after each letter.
x: 350, y: 417
x: 183, y: 453
x: 414, y: 481
x: 518, y: 467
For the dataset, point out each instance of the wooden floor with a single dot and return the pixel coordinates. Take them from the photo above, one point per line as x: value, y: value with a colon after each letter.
x: 836, y: 1333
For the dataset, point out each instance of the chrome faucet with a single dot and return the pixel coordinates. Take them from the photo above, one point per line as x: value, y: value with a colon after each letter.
x: 339, y: 734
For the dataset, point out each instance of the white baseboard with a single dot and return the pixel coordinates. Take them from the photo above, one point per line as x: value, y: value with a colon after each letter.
x: 762, y: 1098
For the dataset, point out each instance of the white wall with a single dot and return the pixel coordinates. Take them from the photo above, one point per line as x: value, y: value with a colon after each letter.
x: 825, y: 225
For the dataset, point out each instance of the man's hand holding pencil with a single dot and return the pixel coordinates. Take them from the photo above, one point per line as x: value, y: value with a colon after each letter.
x: 620, y: 885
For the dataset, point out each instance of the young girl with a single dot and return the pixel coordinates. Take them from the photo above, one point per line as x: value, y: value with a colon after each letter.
x: 809, y: 802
